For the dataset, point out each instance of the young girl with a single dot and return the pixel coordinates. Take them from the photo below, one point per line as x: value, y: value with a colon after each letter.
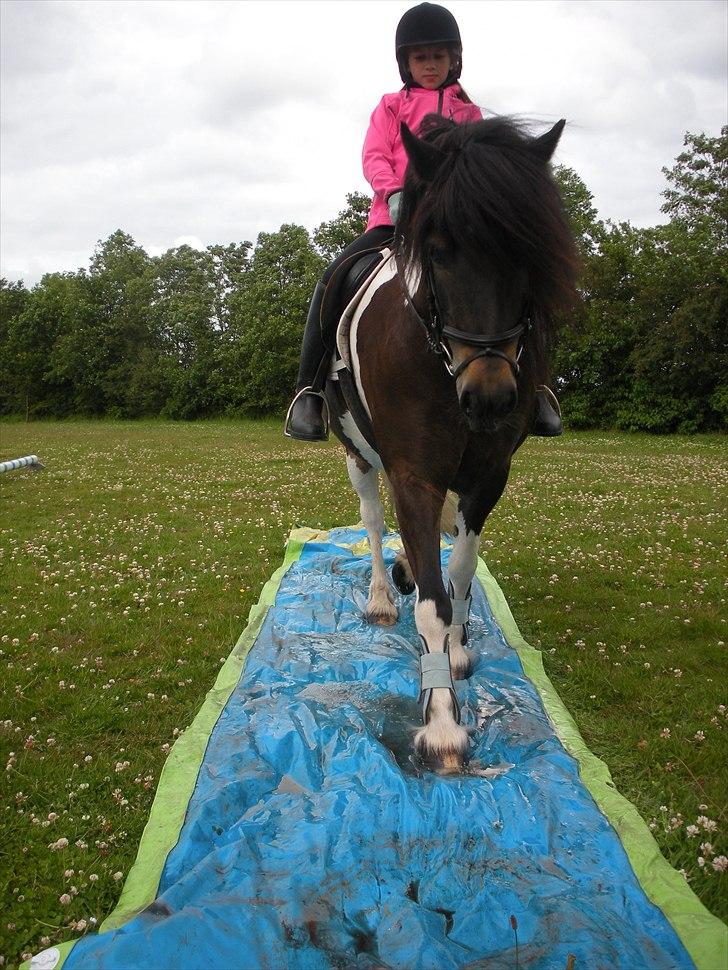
x: 429, y: 56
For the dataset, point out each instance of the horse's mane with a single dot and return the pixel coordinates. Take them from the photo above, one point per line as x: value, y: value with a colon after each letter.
x: 494, y: 194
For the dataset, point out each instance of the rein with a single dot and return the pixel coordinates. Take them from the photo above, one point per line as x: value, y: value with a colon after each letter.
x: 437, y: 333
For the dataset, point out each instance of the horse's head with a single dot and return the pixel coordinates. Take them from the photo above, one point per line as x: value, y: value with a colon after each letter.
x: 483, y: 230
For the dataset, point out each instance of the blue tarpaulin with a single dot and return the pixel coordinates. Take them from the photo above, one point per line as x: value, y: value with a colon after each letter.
x: 313, y: 838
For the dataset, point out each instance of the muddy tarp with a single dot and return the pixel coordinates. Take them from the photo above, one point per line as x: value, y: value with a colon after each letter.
x: 314, y: 839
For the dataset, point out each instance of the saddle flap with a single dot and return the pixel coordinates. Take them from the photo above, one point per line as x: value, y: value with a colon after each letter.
x: 347, y: 316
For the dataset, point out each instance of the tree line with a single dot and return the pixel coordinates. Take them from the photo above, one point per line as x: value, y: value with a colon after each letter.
x: 199, y: 333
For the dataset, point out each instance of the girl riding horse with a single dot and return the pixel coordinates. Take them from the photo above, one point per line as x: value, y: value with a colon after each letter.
x: 429, y: 56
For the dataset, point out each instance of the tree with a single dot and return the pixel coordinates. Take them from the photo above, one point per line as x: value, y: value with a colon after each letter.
x: 268, y: 316
x: 646, y: 349
x: 122, y: 291
x: 680, y: 358
x: 228, y: 266
x: 55, y: 312
x: 679, y: 361
x: 699, y: 181
x: 332, y: 237
x: 184, y: 321
x: 583, y: 217
x: 590, y: 360
x: 13, y: 300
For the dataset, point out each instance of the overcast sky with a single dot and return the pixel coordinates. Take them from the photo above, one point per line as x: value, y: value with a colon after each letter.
x: 208, y: 122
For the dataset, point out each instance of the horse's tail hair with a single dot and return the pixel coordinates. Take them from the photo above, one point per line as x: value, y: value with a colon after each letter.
x: 449, y: 511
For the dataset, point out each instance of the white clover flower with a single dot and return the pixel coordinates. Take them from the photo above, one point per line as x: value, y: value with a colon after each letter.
x: 708, y: 824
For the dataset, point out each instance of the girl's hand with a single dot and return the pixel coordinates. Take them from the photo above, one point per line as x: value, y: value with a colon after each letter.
x: 393, y: 203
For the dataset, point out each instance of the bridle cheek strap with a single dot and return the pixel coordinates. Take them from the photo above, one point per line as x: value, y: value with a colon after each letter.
x: 435, y: 332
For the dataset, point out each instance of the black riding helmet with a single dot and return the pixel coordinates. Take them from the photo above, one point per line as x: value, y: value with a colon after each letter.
x: 423, y: 25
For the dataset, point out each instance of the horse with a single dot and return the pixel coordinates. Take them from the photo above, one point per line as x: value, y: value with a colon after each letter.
x: 447, y: 354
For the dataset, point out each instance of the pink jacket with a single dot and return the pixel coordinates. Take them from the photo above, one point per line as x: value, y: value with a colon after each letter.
x: 383, y: 157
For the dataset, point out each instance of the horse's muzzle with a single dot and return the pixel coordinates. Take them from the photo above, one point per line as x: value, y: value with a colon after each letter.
x: 482, y: 410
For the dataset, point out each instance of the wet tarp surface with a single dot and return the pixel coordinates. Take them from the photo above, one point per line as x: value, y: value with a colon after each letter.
x: 313, y: 839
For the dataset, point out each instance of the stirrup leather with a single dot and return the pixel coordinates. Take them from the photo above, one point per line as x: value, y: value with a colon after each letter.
x: 435, y: 672
x: 324, y: 412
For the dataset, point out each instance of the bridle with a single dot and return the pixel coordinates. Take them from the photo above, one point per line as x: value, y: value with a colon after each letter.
x: 438, y: 333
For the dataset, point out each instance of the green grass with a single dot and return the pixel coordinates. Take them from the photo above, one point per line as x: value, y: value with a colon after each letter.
x: 128, y: 568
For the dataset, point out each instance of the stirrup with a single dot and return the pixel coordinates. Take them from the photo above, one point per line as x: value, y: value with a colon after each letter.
x: 547, y: 421
x: 324, y: 413
x: 551, y: 396
x: 435, y: 672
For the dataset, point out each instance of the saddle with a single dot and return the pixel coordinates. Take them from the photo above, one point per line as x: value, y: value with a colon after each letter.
x: 343, y: 297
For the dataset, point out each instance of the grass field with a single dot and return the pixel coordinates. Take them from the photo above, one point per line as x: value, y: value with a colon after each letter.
x: 128, y: 567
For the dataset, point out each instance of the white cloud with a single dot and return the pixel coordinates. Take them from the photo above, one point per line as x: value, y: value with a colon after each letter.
x: 214, y: 121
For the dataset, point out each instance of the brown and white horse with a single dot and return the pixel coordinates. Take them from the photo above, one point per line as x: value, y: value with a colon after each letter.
x: 447, y: 354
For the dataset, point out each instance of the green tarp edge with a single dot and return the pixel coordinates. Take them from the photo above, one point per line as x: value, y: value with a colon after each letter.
x: 179, y: 774
x: 703, y: 935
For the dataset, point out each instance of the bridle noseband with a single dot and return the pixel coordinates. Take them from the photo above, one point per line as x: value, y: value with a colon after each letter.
x: 437, y: 333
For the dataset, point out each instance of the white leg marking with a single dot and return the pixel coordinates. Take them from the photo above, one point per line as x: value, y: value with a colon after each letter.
x: 441, y: 737
x: 461, y: 569
x: 380, y: 606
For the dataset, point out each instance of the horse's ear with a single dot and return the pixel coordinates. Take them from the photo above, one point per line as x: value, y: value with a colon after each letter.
x: 425, y: 158
x: 546, y: 144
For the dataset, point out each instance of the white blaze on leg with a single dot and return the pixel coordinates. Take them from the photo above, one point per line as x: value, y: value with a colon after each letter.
x: 441, y: 737
x: 461, y: 569
x: 380, y: 606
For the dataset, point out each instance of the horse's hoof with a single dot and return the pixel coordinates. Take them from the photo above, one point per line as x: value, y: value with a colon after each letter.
x: 461, y: 663
x: 461, y: 671
x: 452, y: 764
x: 447, y: 759
x: 382, y: 617
x: 402, y: 580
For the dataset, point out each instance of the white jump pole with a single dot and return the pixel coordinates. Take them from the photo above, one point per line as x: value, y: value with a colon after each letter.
x: 31, y: 461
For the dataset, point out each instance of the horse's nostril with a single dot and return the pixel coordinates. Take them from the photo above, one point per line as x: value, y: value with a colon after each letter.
x: 474, y: 406
x: 510, y: 400
x: 490, y: 407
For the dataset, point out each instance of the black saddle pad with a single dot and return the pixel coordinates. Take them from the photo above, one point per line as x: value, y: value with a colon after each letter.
x: 343, y: 285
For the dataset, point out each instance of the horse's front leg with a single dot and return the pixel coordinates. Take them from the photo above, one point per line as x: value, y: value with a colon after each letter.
x: 473, y: 509
x: 380, y: 605
x: 461, y: 569
x: 442, y: 741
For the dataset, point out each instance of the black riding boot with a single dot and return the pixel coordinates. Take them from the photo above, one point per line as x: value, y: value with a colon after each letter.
x: 305, y: 419
x: 547, y: 423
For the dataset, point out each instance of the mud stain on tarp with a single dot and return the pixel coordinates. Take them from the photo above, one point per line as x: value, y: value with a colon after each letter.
x: 448, y: 914
x: 159, y: 909
x: 364, y: 942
